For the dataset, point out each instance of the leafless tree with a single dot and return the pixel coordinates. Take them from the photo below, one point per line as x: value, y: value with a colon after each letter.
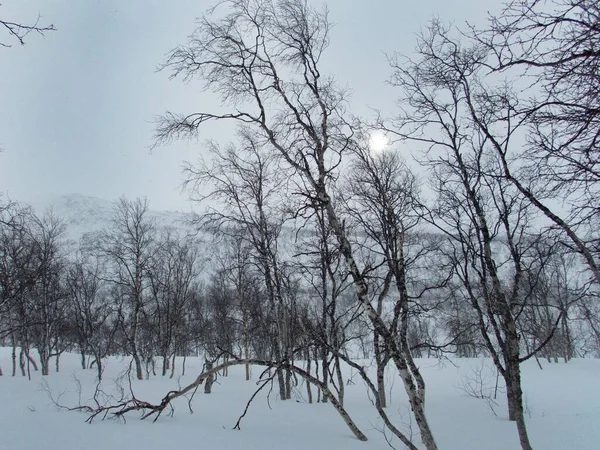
x: 559, y: 289
x: 379, y: 195
x: 92, y: 316
x: 19, y: 31
x: 172, y: 274
x: 553, y: 49
x: 466, y: 127
x: 127, y: 246
x: 246, y: 180
x: 329, y: 319
x: 31, y: 295
x: 47, y: 297
x: 264, y: 58
x: 18, y: 272
x: 237, y: 263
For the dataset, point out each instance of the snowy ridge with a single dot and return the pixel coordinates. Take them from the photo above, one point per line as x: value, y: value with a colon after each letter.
x: 84, y: 214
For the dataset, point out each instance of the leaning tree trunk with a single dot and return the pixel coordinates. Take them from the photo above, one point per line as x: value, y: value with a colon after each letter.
x: 416, y: 402
x: 514, y: 393
x: 151, y: 409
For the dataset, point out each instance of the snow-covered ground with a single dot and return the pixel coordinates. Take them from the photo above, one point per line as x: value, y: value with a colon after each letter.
x: 562, y: 401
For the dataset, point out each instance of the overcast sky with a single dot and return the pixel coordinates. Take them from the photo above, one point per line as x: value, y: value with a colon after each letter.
x: 77, y: 106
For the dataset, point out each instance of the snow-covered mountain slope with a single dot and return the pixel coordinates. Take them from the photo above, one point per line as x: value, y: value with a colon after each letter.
x: 83, y: 214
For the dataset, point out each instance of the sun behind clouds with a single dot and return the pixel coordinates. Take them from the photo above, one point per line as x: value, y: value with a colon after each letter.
x: 378, y: 141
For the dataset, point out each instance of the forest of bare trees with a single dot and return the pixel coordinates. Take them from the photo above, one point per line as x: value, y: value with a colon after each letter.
x: 312, y: 251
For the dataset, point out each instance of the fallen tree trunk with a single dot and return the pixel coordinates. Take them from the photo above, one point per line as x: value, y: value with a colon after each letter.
x: 150, y: 409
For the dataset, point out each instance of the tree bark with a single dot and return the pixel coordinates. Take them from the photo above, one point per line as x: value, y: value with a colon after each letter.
x: 210, y: 378
x: 514, y: 395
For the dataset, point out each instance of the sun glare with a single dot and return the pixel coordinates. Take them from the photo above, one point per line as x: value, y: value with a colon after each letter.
x: 378, y: 141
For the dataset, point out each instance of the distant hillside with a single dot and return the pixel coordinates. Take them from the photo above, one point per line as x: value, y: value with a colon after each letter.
x: 83, y: 214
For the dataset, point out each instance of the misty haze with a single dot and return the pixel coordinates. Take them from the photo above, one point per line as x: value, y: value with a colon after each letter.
x: 302, y: 224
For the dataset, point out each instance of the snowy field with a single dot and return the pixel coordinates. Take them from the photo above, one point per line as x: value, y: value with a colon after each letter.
x: 562, y: 402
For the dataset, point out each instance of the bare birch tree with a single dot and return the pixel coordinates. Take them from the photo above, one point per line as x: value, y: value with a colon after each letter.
x: 381, y: 195
x: 91, y: 313
x: 127, y: 247
x: 47, y: 304
x: 246, y: 179
x: 553, y: 49
x: 263, y: 58
x: 172, y: 272
x: 466, y: 127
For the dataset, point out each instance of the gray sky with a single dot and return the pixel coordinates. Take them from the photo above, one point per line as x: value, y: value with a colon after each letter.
x: 76, y: 106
